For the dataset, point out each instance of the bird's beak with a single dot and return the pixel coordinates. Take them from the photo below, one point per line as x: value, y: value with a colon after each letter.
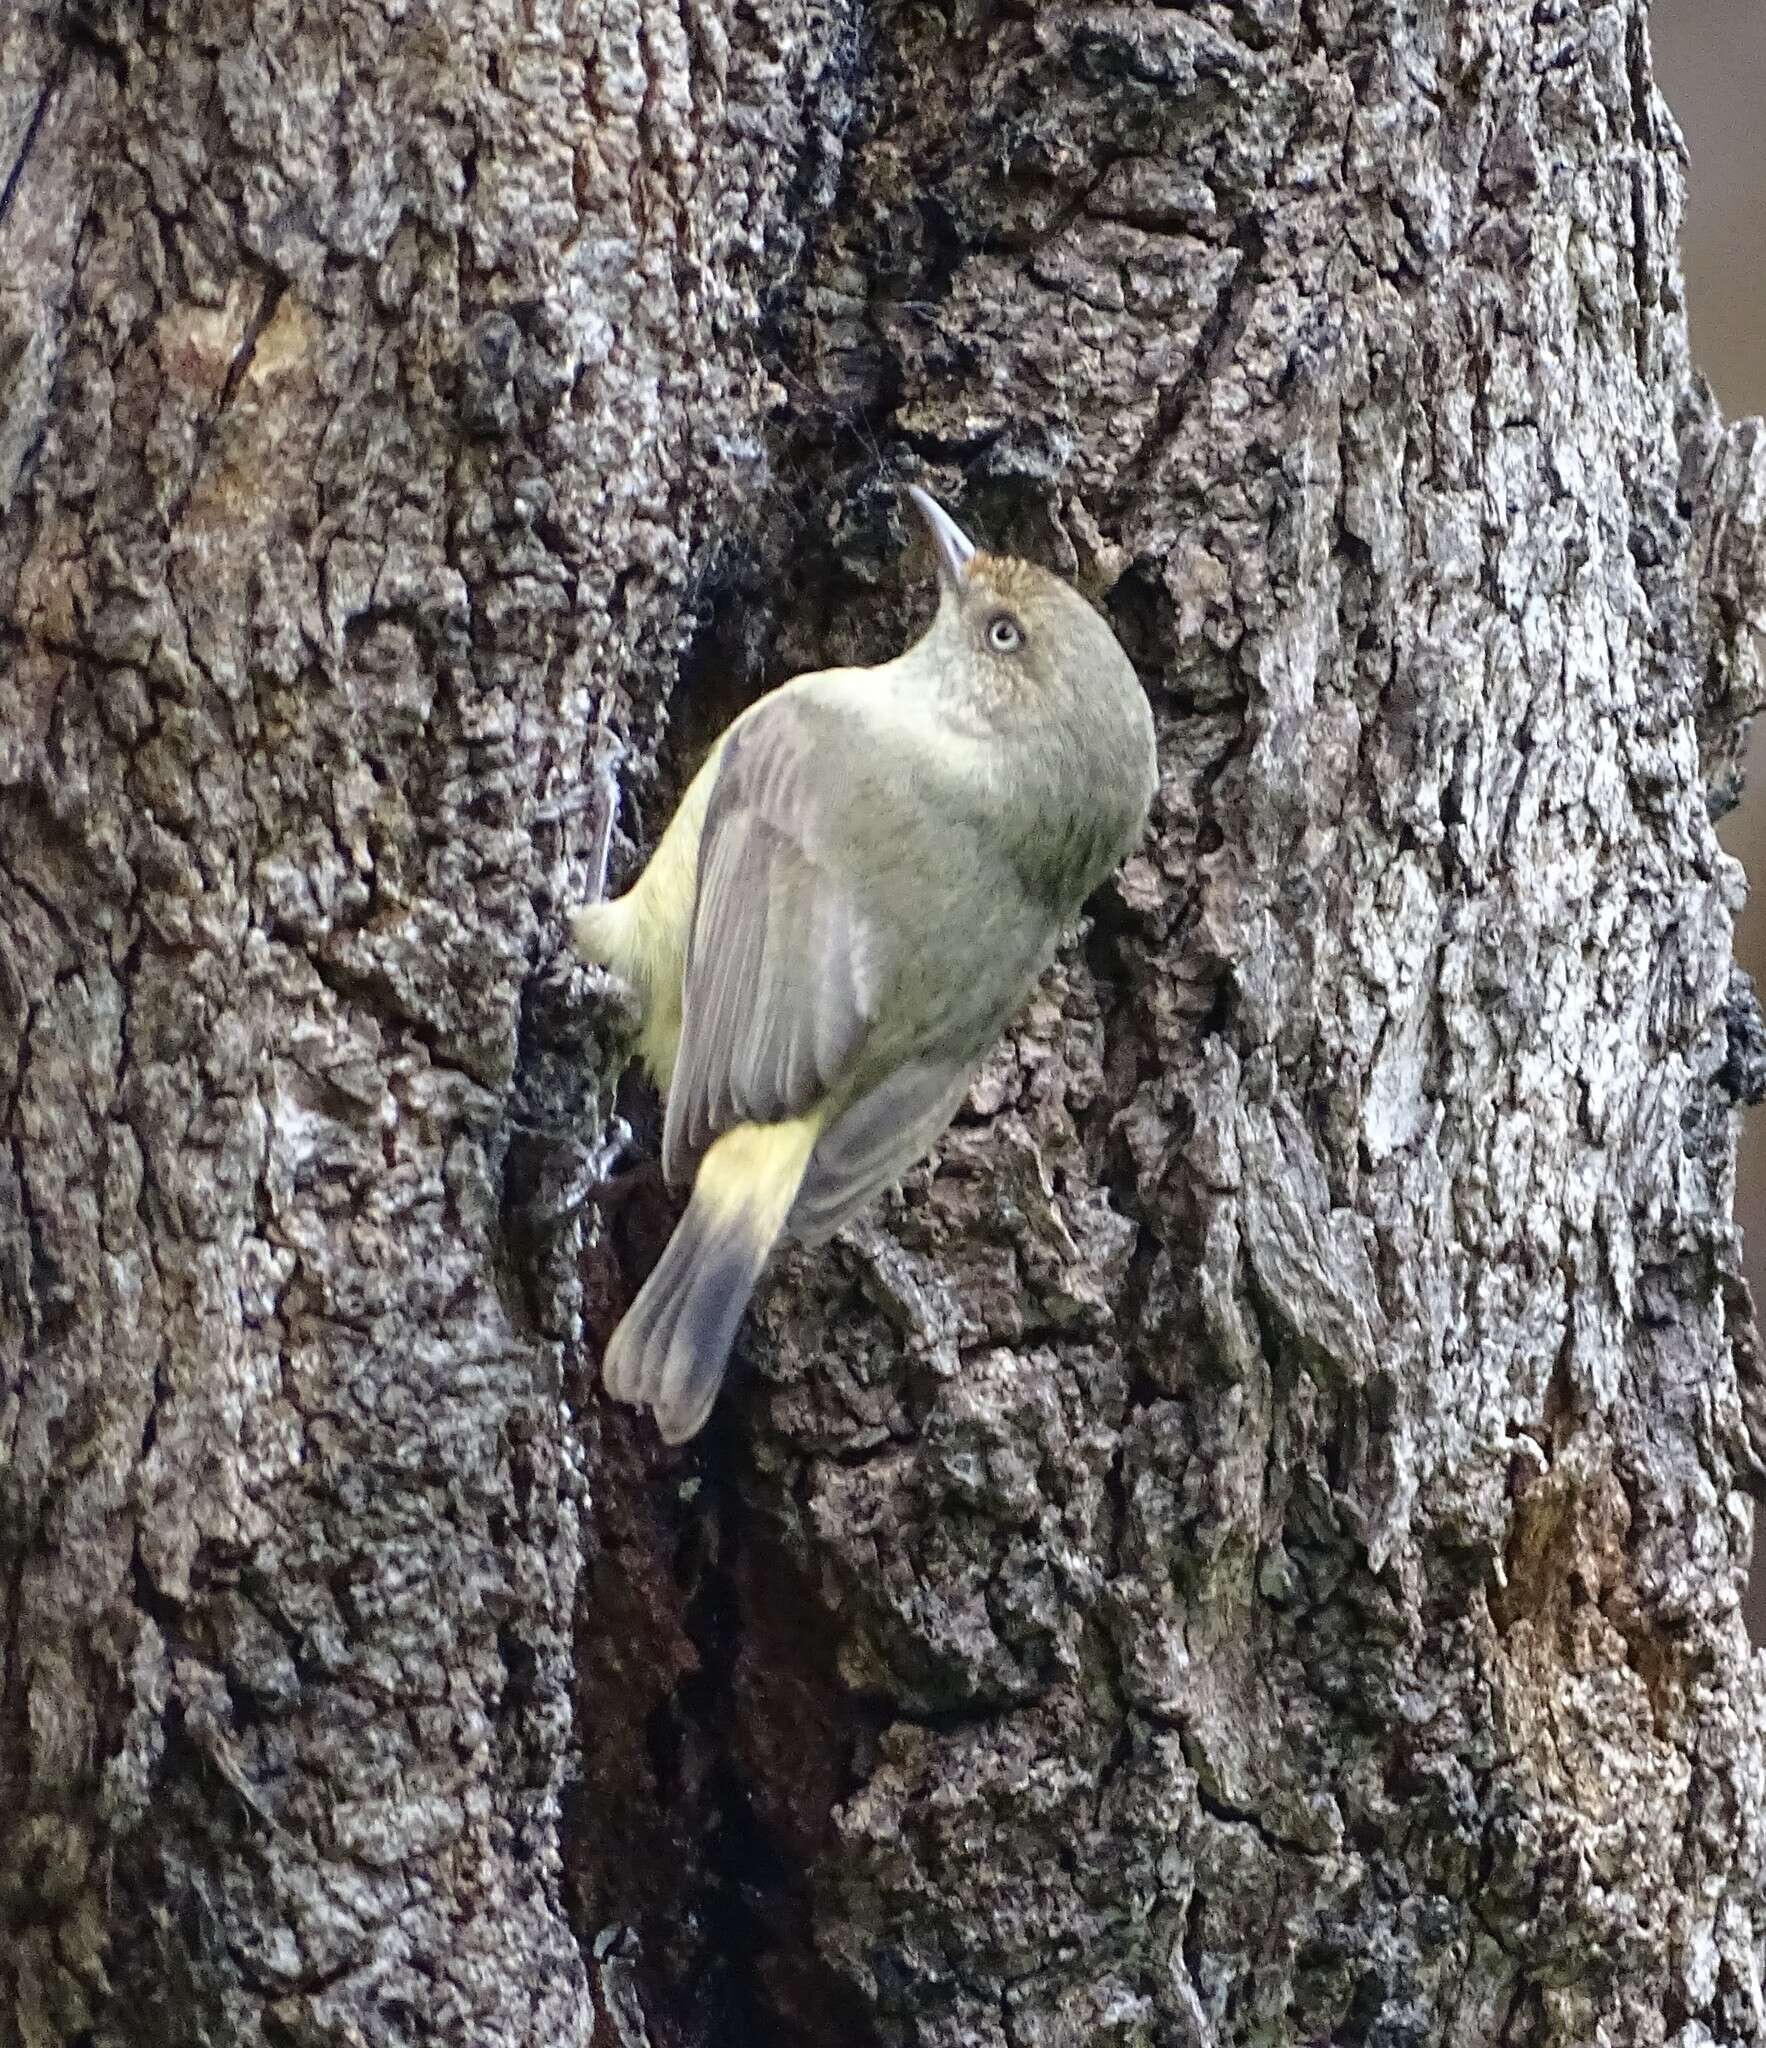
x: 955, y: 549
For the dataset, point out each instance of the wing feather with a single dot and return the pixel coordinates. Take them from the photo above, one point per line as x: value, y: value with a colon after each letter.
x: 778, y: 988
x: 874, y: 1142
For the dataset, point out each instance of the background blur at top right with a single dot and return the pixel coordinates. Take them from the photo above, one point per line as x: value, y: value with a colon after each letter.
x: 1711, y: 66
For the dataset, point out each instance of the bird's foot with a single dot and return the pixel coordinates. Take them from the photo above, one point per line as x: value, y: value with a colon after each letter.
x: 618, y: 994
x: 613, y: 1190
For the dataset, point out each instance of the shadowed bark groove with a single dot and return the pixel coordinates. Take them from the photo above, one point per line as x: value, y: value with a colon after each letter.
x: 1244, y: 1548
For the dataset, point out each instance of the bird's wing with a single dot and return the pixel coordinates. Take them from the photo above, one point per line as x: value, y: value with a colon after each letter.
x: 782, y: 964
x: 874, y: 1142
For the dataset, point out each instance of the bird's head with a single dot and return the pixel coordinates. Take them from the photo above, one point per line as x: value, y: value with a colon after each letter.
x: 1020, y: 635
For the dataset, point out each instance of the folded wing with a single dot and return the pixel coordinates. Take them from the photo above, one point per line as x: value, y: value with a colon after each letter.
x: 874, y: 1143
x: 782, y: 967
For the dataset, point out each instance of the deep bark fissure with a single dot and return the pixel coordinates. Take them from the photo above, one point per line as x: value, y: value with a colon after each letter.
x: 32, y: 129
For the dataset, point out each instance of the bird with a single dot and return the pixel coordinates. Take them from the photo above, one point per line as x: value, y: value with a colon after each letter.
x: 856, y: 893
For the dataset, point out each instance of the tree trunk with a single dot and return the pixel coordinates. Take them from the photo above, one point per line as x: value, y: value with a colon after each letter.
x: 1246, y: 1548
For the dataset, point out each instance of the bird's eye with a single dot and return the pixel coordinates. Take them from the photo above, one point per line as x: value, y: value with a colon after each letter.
x: 1004, y: 634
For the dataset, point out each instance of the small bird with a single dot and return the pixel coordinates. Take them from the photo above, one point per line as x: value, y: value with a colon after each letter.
x: 857, y: 892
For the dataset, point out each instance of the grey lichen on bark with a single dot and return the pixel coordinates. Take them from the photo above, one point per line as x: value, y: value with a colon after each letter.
x: 1243, y: 1547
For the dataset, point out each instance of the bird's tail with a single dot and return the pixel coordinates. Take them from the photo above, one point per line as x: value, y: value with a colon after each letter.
x: 670, y: 1350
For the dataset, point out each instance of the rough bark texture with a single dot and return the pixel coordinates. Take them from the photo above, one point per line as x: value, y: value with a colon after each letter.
x: 375, y: 381
x: 1244, y: 1550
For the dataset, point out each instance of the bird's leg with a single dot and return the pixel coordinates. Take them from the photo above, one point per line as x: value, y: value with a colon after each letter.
x: 621, y: 1171
x: 614, y: 988
x: 604, y: 775
x: 594, y: 918
x: 600, y: 788
x: 574, y: 1175
x: 616, y: 1189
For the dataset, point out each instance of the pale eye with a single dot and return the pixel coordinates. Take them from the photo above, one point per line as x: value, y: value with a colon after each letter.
x: 1004, y: 634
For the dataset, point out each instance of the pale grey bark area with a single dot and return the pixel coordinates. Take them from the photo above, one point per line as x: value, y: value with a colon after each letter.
x: 375, y: 381
x: 1247, y: 1549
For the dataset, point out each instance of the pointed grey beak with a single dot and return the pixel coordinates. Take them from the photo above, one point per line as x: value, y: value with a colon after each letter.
x: 955, y: 549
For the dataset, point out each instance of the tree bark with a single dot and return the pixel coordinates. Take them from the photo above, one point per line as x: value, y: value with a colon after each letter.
x: 1245, y: 1547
